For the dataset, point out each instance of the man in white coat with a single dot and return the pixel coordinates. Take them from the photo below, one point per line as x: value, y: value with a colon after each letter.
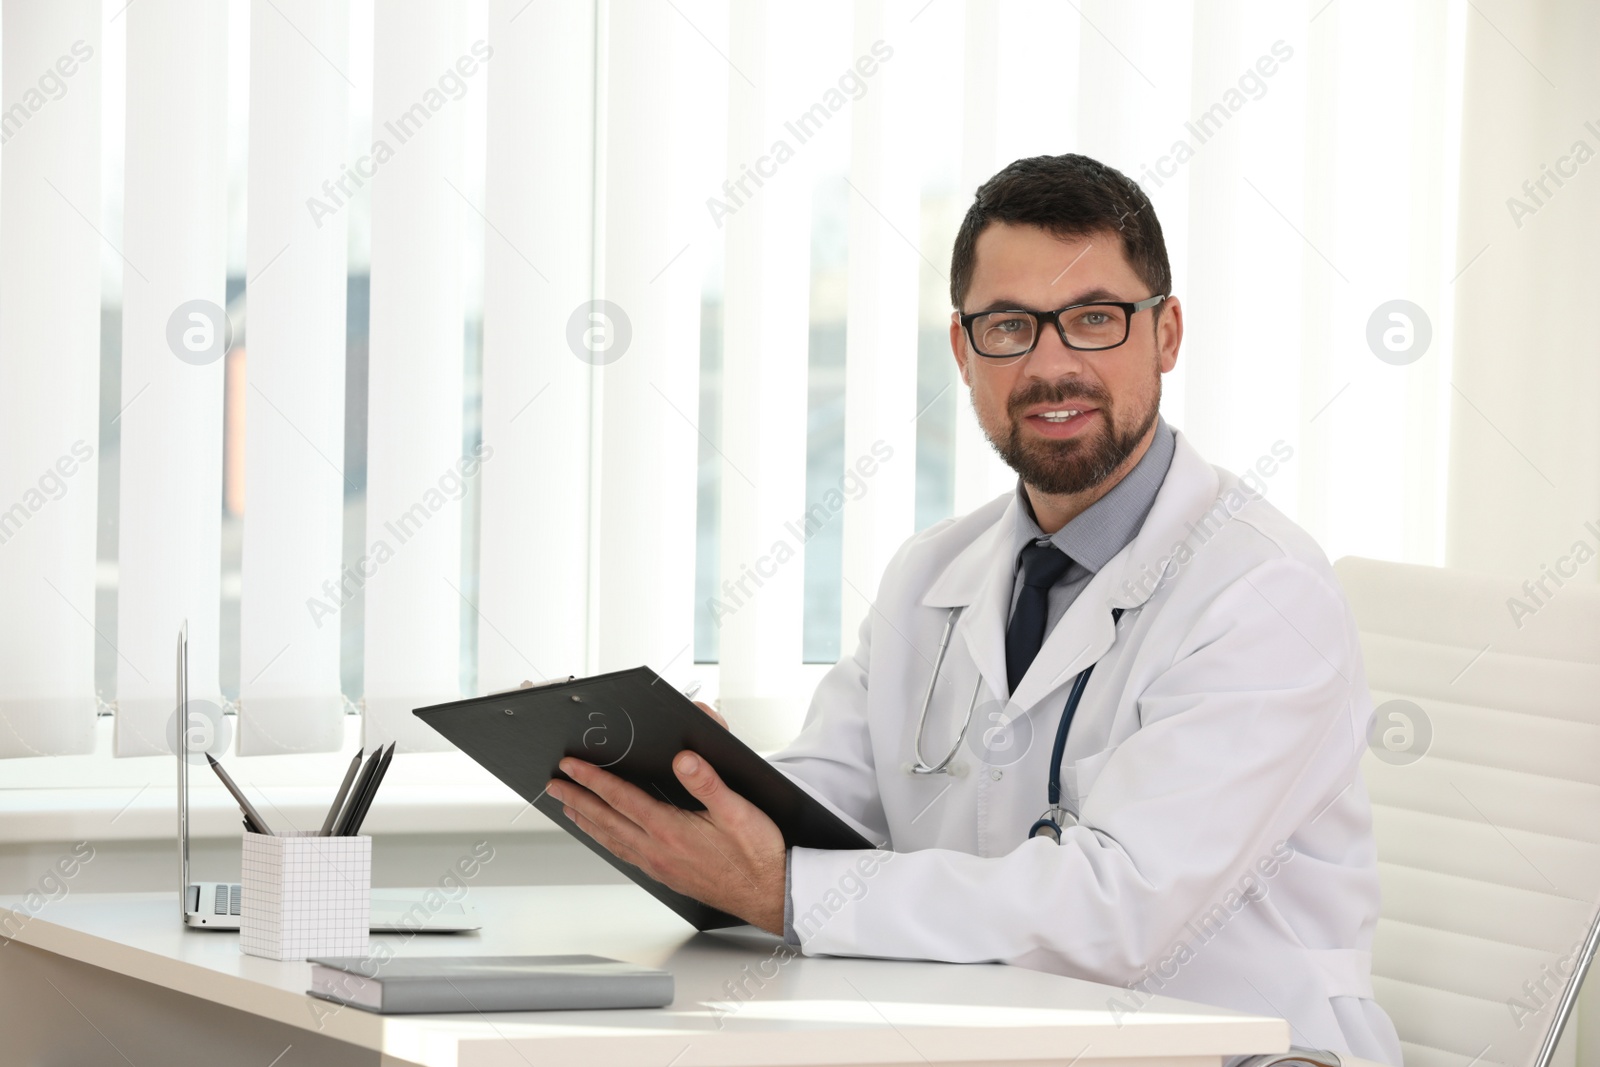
x: 1215, y: 838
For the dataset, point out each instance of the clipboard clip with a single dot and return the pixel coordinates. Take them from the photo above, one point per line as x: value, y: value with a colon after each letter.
x: 533, y: 685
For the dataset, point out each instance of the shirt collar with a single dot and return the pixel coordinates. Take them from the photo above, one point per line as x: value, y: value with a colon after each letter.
x: 1111, y: 522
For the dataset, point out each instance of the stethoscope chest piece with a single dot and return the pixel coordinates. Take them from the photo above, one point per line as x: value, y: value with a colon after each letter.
x: 1052, y: 822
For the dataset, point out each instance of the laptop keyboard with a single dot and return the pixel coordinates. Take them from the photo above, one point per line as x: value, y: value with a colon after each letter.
x: 226, y: 900
x: 388, y: 911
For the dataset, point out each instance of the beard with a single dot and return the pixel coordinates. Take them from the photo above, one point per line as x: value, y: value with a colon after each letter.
x: 1075, y: 464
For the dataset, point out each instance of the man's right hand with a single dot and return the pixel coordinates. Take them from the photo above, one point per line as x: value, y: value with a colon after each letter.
x: 709, y: 710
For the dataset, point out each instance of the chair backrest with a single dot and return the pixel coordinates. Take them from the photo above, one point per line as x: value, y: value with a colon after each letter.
x: 1484, y: 769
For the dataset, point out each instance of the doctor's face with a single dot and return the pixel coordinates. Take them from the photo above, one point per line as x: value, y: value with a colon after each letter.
x: 1023, y: 404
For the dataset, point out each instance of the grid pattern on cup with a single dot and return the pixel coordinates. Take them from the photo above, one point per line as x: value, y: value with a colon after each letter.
x: 305, y: 895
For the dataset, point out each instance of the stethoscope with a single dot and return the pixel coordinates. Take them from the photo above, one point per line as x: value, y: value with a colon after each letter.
x: 1055, y: 816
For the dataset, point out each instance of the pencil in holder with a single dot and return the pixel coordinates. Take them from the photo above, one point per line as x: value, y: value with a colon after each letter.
x: 305, y: 895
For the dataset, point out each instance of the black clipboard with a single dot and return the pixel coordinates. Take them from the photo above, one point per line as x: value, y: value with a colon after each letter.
x: 632, y: 723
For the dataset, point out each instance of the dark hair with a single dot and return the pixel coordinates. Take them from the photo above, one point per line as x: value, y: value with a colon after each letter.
x: 1069, y: 196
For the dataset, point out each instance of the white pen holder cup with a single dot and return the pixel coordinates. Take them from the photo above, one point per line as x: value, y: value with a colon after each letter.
x: 304, y: 895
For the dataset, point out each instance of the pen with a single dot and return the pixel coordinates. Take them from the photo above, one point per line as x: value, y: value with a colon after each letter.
x: 338, y: 798
x: 691, y: 689
x: 372, y: 790
x: 250, y: 812
x: 341, y: 826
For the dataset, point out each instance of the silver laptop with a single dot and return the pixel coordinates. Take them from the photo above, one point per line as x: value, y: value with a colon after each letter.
x: 215, y: 905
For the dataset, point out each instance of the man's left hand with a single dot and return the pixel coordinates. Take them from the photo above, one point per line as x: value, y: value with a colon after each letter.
x: 730, y: 856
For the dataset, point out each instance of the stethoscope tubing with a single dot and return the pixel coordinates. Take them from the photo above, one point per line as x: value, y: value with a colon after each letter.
x: 922, y: 766
x: 1049, y: 824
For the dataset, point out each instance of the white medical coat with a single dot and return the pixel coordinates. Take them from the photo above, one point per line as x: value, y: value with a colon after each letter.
x: 1223, y: 851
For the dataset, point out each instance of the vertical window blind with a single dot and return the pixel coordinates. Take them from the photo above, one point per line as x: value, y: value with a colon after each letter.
x: 532, y: 599
x: 416, y: 472
x: 643, y: 334
x: 173, y: 336
x: 49, y: 373
x: 763, y: 418
x: 881, y: 335
x: 296, y: 264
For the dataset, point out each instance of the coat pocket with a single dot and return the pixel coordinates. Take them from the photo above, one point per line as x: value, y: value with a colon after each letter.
x: 1078, y: 777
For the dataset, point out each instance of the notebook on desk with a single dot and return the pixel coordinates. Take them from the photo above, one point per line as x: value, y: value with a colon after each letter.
x: 426, y: 984
x: 632, y: 723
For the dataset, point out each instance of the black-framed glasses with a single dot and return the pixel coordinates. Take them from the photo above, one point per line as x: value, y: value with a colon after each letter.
x: 1090, y: 327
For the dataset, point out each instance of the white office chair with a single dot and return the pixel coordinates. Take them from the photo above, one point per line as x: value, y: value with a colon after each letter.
x: 1486, y: 803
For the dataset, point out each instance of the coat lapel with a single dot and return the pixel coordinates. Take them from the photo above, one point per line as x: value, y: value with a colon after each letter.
x: 1086, y: 632
x: 1082, y: 636
x: 978, y: 580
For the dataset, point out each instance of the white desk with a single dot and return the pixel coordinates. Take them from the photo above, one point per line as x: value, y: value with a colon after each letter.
x: 116, y: 979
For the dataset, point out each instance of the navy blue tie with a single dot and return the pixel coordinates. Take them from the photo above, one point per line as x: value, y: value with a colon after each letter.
x: 1043, y: 564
